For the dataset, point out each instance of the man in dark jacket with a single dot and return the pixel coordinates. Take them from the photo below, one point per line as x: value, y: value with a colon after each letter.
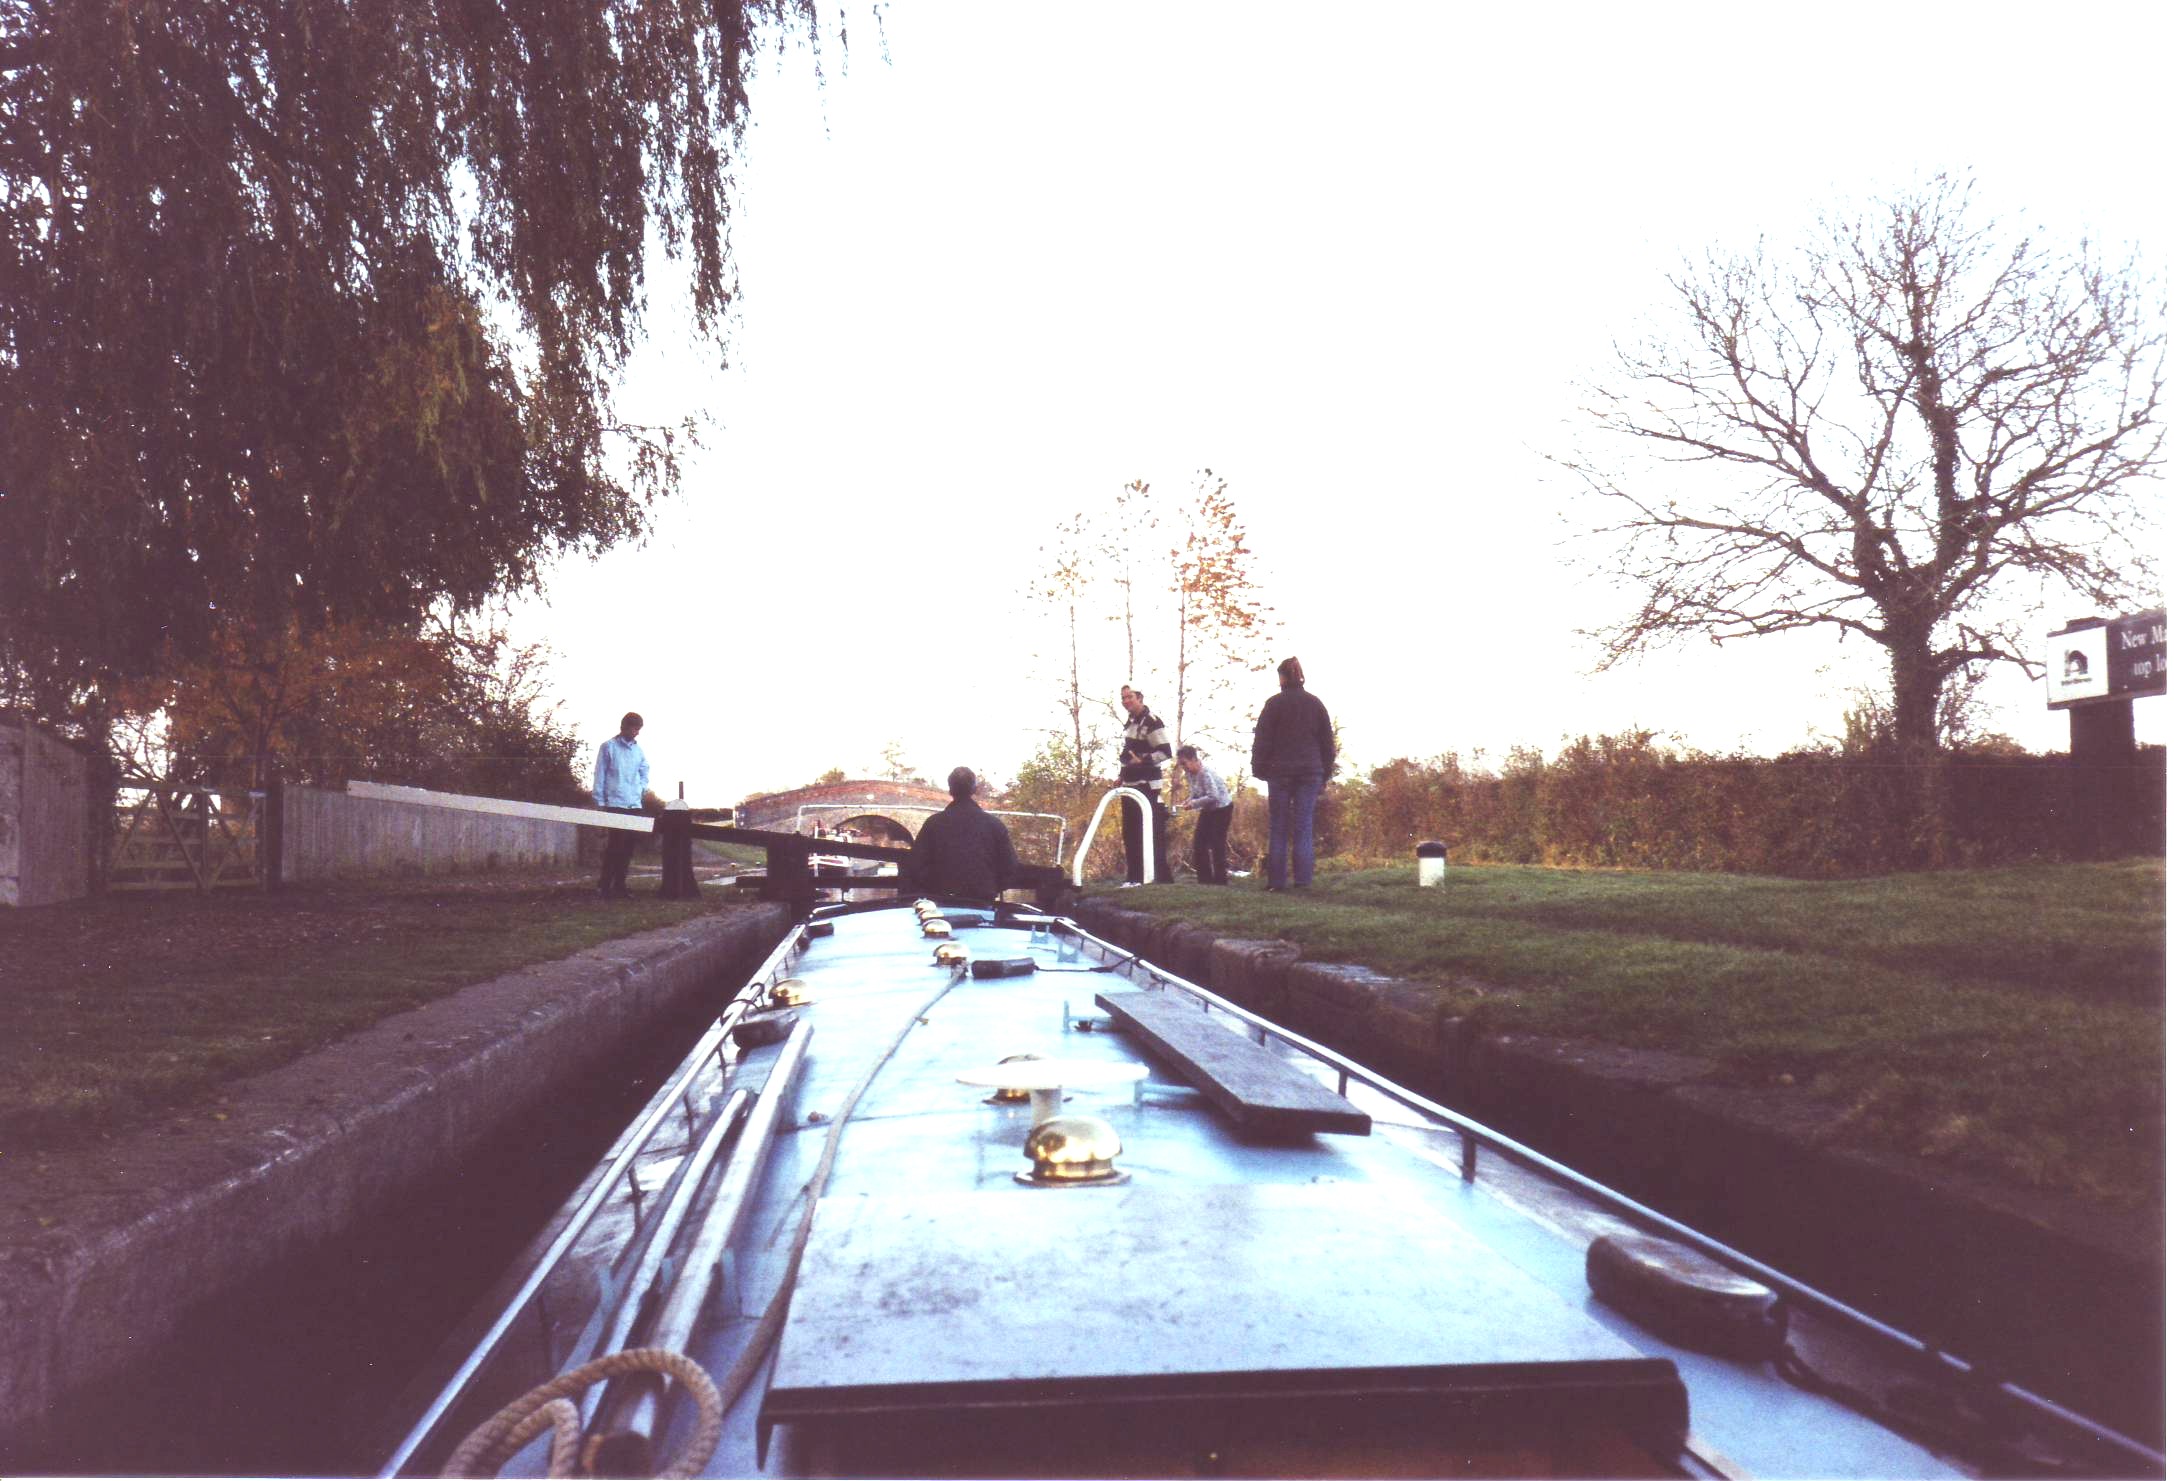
x: 962, y: 850
x: 1294, y: 752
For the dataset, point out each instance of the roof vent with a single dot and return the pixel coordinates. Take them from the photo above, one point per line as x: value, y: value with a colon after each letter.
x: 1007, y: 1095
x: 1044, y: 1080
x: 1072, y: 1152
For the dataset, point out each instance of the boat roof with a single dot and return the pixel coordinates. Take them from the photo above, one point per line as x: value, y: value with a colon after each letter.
x: 1393, y: 1297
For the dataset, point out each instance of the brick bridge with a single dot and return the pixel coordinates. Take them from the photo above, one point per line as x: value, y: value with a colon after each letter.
x: 880, y: 812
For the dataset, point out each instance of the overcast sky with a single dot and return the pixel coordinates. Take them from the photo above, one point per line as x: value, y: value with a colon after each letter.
x: 1006, y: 258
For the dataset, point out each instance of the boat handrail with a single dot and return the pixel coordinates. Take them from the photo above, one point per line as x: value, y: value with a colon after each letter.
x: 604, y: 1186
x: 651, y: 1269
x: 680, y: 1301
x: 710, y: 1047
x: 1473, y: 1132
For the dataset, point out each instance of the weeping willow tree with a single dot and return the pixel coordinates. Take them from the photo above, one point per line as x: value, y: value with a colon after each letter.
x: 310, y: 310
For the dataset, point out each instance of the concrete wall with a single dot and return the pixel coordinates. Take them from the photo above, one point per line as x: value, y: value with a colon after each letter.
x: 330, y: 834
x: 44, y: 819
x: 148, y: 1230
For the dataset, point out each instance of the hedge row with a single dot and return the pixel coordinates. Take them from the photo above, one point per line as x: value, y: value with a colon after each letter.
x: 1624, y: 802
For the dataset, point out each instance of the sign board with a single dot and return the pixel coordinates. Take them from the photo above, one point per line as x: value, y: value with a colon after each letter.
x: 2106, y: 659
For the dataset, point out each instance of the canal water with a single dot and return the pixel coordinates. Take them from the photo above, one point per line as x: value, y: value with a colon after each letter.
x: 301, y: 1374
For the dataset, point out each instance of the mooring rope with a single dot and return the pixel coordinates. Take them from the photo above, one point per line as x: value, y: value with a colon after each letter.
x: 501, y: 1437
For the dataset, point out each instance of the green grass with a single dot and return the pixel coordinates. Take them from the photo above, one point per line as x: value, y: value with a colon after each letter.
x: 119, y: 1011
x: 2010, y: 1021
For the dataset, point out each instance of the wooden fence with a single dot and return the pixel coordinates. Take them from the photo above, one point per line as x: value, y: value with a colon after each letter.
x: 325, y: 835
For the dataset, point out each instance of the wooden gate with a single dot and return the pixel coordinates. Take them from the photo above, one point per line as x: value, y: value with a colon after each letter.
x: 184, y: 838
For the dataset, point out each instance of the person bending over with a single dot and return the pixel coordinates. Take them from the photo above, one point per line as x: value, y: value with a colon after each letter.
x: 1211, y: 835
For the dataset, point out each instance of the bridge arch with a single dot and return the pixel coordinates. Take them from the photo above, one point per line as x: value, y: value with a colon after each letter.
x: 884, y: 812
x: 878, y: 827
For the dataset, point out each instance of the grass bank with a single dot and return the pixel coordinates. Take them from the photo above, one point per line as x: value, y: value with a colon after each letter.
x: 2011, y: 1021
x: 118, y: 1011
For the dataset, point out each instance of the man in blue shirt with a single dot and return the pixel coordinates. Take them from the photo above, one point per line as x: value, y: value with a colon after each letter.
x: 622, y: 776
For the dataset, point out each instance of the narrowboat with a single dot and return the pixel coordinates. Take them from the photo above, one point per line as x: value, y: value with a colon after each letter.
x: 956, y: 1188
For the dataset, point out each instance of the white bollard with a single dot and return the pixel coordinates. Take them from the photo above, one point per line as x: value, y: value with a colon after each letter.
x: 1433, y: 863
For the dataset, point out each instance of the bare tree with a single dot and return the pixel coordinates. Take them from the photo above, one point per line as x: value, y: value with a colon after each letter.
x: 1064, y: 580
x: 1093, y: 561
x: 1890, y: 431
x: 1136, y: 566
x: 1220, y: 615
x: 894, y: 766
x: 1132, y: 524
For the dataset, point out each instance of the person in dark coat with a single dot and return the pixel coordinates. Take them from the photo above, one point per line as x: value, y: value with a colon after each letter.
x: 1294, y: 752
x: 962, y: 850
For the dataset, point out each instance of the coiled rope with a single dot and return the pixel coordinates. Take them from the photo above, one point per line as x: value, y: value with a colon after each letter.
x: 501, y: 1437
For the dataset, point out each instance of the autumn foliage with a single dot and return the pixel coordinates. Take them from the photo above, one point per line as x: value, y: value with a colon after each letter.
x: 449, y: 707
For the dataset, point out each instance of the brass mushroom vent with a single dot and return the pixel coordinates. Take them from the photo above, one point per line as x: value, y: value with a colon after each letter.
x: 1072, y: 1151
x: 1008, y: 1095
x: 1065, y: 1151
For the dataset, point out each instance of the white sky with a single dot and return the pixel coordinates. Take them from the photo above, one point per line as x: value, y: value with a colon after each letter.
x: 1356, y: 261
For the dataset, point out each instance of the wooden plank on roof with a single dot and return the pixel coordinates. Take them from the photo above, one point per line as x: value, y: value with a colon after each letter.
x: 1261, y: 1092
x: 542, y: 811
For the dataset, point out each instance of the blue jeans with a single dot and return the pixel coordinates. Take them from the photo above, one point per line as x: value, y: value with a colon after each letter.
x: 1290, y: 827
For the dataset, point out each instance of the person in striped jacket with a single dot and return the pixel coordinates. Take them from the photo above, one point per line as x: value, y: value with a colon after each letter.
x: 1139, y: 765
